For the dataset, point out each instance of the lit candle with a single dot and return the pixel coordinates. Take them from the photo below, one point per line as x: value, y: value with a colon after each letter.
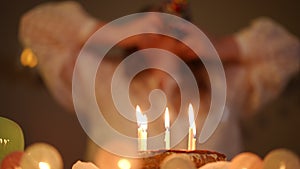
x: 167, y: 126
x: 142, y: 129
x: 192, y: 129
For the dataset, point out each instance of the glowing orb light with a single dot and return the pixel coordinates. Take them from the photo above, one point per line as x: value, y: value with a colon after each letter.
x: 281, y: 159
x: 124, y: 164
x: 28, y: 58
x: 41, y: 156
x: 246, y: 160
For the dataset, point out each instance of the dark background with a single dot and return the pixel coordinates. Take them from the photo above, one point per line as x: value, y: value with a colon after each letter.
x: 24, y: 98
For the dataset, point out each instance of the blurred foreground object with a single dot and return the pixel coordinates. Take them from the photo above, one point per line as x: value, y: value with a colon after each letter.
x: 11, y: 137
x: 84, y: 165
x: 246, y: 160
x: 181, y: 161
x: 276, y: 159
x: 41, y: 156
x: 216, y: 165
x: 281, y: 159
x: 12, y: 160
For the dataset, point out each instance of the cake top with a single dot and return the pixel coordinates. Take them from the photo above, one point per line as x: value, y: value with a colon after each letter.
x: 154, y: 159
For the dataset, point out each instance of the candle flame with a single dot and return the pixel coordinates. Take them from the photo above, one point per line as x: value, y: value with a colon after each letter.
x: 192, y: 119
x: 141, y: 118
x: 194, y: 129
x: 167, y: 118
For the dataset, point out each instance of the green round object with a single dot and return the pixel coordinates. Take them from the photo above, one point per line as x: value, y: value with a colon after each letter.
x: 11, y: 137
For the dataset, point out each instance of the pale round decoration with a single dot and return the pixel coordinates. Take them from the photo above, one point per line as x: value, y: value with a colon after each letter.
x: 84, y: 165
x: 246, y: 160
x: 216, y: 165
x: 281, y: 159
x: 41, y: 156
x: 178, y: 161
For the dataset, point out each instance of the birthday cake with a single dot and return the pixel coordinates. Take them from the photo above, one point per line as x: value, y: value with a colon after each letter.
x: 197, y: 158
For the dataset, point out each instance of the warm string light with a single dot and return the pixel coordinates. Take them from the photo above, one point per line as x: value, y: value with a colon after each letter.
x: 28, y: 58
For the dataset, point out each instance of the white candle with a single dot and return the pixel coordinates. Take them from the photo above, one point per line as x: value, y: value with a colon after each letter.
x: 142, y: 129
x: 192, y: 129
x: 167, y: 126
